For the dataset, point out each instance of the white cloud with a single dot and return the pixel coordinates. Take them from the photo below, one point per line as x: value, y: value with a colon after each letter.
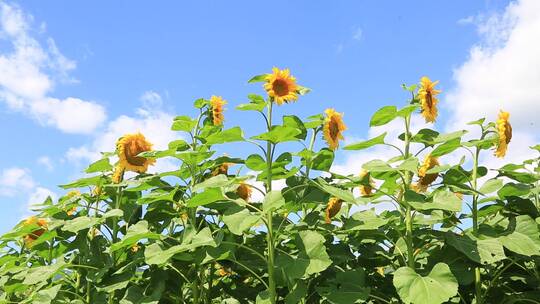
x: 15, y: 180
x: 153, y: 123
x: 46, y: 162
x: 151, y: 99
x: 29, y: 72
x: 502, y: 70
x: 502, y: 73
x: 39, y: 195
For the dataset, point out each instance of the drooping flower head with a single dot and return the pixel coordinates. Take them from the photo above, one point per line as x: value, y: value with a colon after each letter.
x: 428, y: 99
x: 365, y: 190
x: 216, y: 108
x: 504, y: 129
x: 221, y: 169
x: 244, y: 191
x: 34, y: 235
x: 333, y: 207
x: 281, y: 86
x: 333, y: 128
x: 425, y: 179
x: 118, y: 174
x: 128, y: 147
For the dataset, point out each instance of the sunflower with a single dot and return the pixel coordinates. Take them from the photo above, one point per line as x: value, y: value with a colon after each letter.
x: 244, y: 191
x: 34, y: 235
x: 425, y: 179
x: 216, y: 108
x: 135, y: 248
x: 365, y: 190
x: 281, y: 86
x: 333, y: 128
x: 73, y: 193
x: 333, y: 207
x: 128, y: 147
x: 221, y: 169
x: 504, y: 129
x: 72, y: 211
x: 97, y: 191
x: 118, y: 174
x: 428, y: 101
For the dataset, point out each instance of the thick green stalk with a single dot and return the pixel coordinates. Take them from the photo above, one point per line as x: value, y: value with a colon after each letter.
x: 408, y: 211
x: 269, y: 235
x: 477, y: 276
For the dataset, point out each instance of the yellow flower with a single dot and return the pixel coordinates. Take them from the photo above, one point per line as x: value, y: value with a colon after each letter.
x: 72, y: 211
x: 34, y: 235
x: 281, y: 86
x: 366, y: 190
x: 73, y: 193
x: 216, y: 107
x: 380, y: 270
x: 118, y: 174
x: 428, y: 99
x: 222, y: 169
x: 504, y: 129
x: 135, y: 248
x: 333, y: 207
x: 425, y: 179
x: 244, y: 191
x: 128, y: 147
x: 97, y: 191
x: 223, y: 272
x: 333, y: 128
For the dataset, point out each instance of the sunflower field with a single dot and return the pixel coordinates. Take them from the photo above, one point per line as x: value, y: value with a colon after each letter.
x: 279, y: 226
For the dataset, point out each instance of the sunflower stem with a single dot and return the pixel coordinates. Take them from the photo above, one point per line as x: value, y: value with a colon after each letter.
x: 408, y: 211
x: 477, y: 276
x: 269, y: 235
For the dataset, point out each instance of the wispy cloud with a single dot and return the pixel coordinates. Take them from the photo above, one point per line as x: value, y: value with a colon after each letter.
x: 29, y: 72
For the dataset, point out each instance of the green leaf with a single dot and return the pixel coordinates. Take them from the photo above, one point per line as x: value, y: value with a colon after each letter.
x: 437, y: 287
x: 377, y: 166
x: 208, y: 196
x: 348, y: 288
x: 524, y: 237
x: 295, y: 122
x: 312, y: 257
x: 101, y: 165
x: 407, y: 110
x: 46, y: 296
x: 231, y: 135
x: 83, y: 182
x: 449, y: 136
x: 446, y: 147
x: 279, y: 134
x: 379, y: 140
x: 323, y: 160
x: 183, y: 123
x: 345, y: 195
x: 487, y: 251
x: 258, y: 78
x: 263, y: 298
x: 273, y: 201
x: 383, y: 116
x: 154, y: 254
x: 513, y: 189
x: 42, y: 273
x: 490, y: 186
x: 217, y: 181
x: 256, y: 162
x: 238, y: 219
x: 134, y: 234
x: 364, y: 220
x: 80, y: 223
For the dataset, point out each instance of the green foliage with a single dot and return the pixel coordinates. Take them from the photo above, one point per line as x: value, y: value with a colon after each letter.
x: 217, y: 229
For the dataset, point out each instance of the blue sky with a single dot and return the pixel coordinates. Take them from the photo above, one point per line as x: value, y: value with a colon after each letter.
x: 113, y: 66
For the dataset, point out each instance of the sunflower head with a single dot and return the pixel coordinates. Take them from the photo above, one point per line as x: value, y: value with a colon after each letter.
x: 216, y: 109
x: 333, y: 207
x: 428, y: 100
x: 221, y: 169
x: 118, y: 174
x: 244, y: 191
x: 281, y: 86
x: 365, y: 190
x: 504, y: 130
x: 425, y: 179
x: 333, y: 128
x: 35, y: 234
x: 128, y: 147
